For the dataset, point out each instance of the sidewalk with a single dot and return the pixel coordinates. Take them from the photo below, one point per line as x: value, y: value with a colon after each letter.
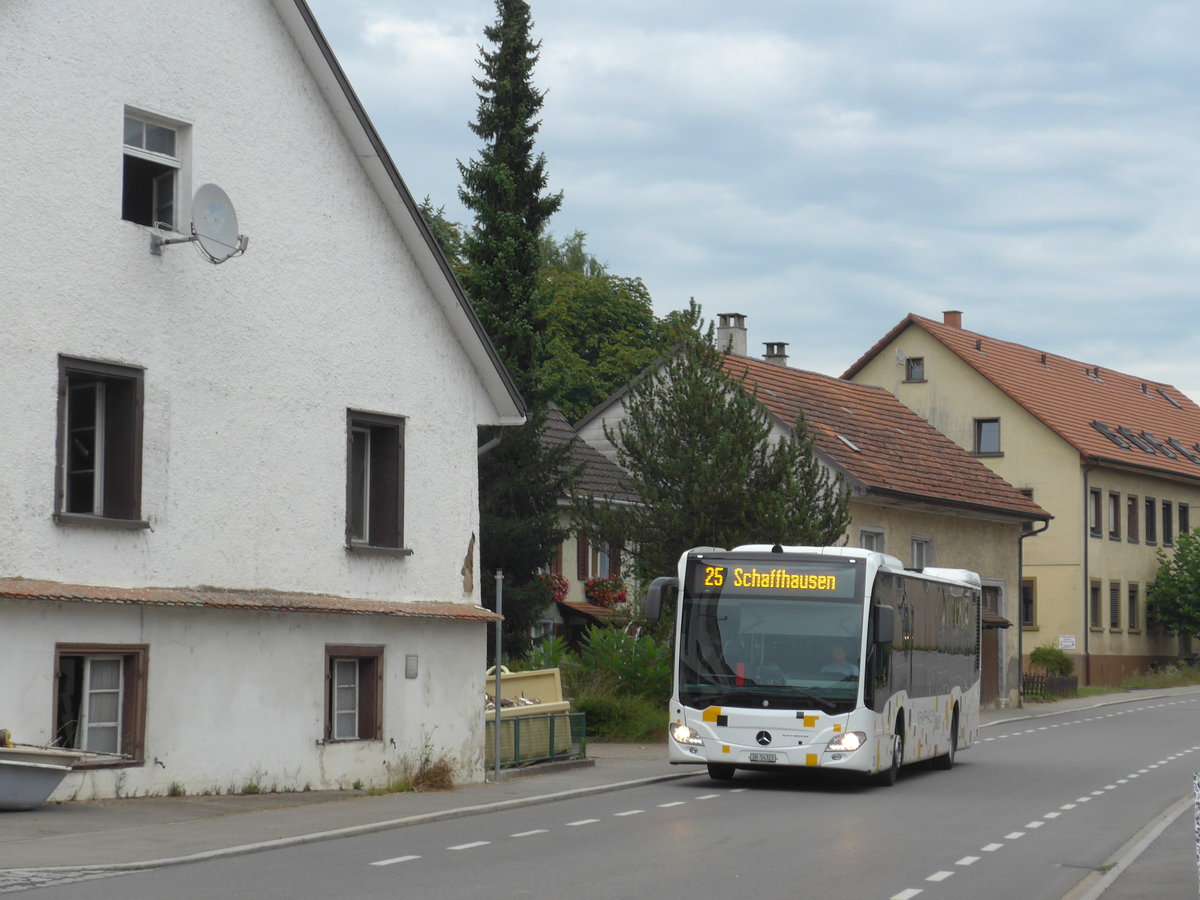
x: 108, y: 835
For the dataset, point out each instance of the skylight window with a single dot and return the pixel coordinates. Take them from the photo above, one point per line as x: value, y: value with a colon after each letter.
x: 1157, y: 445
x: 1184, y: 451
x: 1175, y: 403
x: 849, y: 443
x: 1135, y: 440
x: 1107, y: 432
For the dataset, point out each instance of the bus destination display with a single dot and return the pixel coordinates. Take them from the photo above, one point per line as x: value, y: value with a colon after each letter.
x: 816, y: 580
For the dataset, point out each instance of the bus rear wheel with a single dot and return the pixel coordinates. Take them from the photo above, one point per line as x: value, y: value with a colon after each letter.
x: 945, y: 762
x: 720, y: 771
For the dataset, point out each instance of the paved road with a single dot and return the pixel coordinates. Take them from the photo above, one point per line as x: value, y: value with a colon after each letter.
x: 1029, y: 812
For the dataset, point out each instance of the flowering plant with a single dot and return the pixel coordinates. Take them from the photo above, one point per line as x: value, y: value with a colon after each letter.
x: 608, y: 591
x: 556, y: 586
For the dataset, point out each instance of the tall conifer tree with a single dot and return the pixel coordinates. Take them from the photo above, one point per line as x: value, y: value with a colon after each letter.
x: 521, y: 480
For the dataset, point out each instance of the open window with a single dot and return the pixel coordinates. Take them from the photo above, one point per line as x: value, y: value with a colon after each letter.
x: 354, y: 693
x: 100, y: 699
x: 375, y: 481
x: 152, y: 164
x: 99, y: 441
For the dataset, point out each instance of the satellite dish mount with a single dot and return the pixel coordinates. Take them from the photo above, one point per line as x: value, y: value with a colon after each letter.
x: 214, y: 227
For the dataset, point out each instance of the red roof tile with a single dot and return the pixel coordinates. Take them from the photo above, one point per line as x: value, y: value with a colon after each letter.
x: 250, y: 601
x: 879, y: 442
x: 1068, y: 396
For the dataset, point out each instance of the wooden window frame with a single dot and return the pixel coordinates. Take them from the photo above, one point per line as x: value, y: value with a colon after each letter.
x: 1133, y: 608
x: 135, y: 659
x: 380, y: 498
x: 1114, y: 515
x: 118, y: 422
x: 1095, y: 512
x: 1028, y: 588
x: 914, y: 368
x: 1095, y: 606
x: 1132, y: 507
x: 369, y: 690
x: 1114, y: 606
x: 1168, y: 523
x: 1151, y: 521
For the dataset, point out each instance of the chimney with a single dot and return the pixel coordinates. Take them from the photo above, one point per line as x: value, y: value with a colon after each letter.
x: 776, y: 354
x: 731, y: 333
x: 952, y: 317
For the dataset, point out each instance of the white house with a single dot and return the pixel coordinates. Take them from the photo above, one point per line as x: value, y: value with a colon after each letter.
x: 239, y: 501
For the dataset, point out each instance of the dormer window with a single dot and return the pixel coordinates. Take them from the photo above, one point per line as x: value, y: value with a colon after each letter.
x: 150, y: 184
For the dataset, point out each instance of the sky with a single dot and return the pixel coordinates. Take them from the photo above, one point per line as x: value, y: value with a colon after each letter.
x: 826, y: 168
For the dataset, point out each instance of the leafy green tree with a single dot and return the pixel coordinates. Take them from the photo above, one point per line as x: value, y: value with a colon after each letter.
x: 505, y: 189
x: 599, y: 329
x: 702, y: 455
x: 520, y: 477
x: 1174, y: 598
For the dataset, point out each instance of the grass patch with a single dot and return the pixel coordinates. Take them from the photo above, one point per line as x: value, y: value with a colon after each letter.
x: 425, y: 774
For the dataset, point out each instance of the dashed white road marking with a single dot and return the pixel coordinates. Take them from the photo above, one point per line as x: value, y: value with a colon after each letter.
x: 708, y: 796
x: 906, y: 895
x: 1034, y: 824
x: 630, y: 812
x: 991, y: 848
x: 470, y: 846
x: 394, y: 860
x: 672, y: 803
x: 582, y: 822
x: 967, y: 861
x: 1051, y: 815
x: 939, y: 876
x: 1014, y: 835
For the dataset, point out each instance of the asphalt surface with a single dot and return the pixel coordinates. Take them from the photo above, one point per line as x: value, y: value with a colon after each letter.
x: 71, y: 841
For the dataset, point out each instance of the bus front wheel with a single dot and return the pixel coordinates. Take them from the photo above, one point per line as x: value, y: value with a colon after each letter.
x: 720, y: 771
x: 888, y: 776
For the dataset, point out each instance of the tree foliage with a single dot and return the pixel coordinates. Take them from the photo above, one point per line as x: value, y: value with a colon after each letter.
x: 1174, y: 598
x: 599, y: 329
x: 505, y: 189
x: 705, y: 460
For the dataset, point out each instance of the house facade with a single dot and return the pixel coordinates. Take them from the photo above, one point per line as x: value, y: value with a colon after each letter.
x: 1112, y: 456
x: 240, y: 500
x: 914, y: 493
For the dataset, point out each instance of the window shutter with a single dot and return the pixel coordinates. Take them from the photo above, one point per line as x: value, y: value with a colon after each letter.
x: 581, y: 556
x: 614, y: 562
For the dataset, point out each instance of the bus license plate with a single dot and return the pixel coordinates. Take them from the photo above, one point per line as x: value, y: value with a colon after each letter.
x: 762, y: 757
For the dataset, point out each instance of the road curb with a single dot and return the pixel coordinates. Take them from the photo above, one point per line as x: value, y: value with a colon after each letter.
x: 351, y: 830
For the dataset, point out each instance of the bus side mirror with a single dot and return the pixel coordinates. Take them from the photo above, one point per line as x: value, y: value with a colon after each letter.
x: 654, y: 596
x: 885, y: 624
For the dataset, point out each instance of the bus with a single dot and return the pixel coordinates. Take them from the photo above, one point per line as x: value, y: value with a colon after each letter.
x: 820, y: 657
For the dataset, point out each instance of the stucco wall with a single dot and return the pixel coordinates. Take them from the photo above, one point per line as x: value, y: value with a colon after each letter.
x: 250, y: 365
x: 238, y: 698
x: 952, y: 396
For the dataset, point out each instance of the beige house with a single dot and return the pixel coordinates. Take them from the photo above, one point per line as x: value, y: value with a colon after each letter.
x: 1115, y: 458
x: 914, y: 493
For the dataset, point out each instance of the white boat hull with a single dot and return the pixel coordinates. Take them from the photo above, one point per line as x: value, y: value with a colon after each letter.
x: 27, y: 785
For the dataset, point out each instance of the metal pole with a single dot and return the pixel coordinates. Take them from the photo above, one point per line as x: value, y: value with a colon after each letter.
x: 496, y: 728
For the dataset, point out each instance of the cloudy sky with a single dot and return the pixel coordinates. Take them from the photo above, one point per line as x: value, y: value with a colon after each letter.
x: 828, y: 167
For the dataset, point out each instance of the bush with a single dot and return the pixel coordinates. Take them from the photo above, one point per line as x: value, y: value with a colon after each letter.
x: 632, y: 665
x: 548, y: 653
x: 617, y: 717
x: 1052, y: 661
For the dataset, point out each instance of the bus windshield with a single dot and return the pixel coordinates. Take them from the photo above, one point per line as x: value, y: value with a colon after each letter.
x: 766, y: 631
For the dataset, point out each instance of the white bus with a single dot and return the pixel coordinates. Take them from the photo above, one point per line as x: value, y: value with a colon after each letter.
x: 828, y: 657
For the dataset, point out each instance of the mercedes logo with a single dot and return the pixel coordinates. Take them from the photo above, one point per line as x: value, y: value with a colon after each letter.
x: 763, y: 737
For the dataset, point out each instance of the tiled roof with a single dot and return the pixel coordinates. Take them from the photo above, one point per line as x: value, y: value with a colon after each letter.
x: 248, y: 601
x: 595, y: 474
x: 879, y: 442
x: 1153, y: 425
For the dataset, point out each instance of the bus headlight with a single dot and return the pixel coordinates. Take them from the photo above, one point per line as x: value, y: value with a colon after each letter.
x: 848, y: 742
x: 684, y: 734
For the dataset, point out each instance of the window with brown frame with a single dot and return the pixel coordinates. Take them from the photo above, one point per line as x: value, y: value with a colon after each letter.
x: 1114, y: 605
x: 1185, y: 523
x: 100, y: 701
x: 375, y: 481
x: 354, y: 692
x: 1114, y: 516
x: 987, y: 437
x: 1151, y: 521
x: 99, y: 443
x: 914, y: 368
x: 1095, y: 512
x: 1133, y: 617
x: 1168, y: 524
x: 1131, y: 519
x: 1095, y: 605
x: 1029, y: 603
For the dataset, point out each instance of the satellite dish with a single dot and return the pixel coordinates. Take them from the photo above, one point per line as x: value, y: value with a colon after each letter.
x: 214, y: 227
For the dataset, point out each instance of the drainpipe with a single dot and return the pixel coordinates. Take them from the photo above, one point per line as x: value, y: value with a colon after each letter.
x: 1020, y: 628
x: 1087, y: 584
